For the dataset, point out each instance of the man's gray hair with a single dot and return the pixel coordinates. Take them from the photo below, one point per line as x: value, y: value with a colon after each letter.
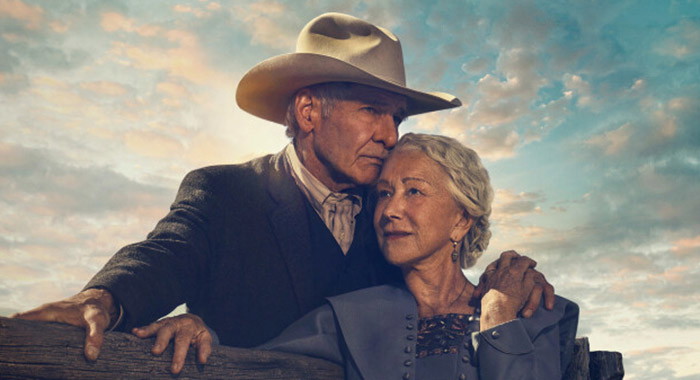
x: 468, y: 183
x: 328, y: 94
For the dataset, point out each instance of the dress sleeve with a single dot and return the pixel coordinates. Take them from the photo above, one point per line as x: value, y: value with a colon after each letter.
x: 315, y: 334
x: 150, y: 278
x: 513, y: 351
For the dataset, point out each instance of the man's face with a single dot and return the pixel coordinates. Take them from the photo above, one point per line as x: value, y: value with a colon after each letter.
x: 353, y: 141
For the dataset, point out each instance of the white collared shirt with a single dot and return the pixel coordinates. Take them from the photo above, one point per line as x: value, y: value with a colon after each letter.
x: 337, y: 210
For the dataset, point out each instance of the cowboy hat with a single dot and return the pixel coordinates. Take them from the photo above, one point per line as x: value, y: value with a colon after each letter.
x: 334, y: 47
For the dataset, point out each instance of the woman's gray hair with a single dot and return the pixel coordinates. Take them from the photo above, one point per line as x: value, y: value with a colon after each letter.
x: 468, y: 183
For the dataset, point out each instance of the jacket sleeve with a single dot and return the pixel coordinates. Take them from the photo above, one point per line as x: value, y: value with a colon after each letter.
x: 315, y: 334
x: 152, y: 277
x: 514, y: 351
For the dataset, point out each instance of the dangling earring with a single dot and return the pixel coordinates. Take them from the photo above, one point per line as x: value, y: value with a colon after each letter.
x: 455, y: 254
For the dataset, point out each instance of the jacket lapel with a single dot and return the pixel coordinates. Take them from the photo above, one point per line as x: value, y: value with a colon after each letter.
x: 378, y: 330
x: 291, y: 228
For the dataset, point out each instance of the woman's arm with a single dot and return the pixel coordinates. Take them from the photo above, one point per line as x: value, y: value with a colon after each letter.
x: 537, y: 348
x: 315, y: 335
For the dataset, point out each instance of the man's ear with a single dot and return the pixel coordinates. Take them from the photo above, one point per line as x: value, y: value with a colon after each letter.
x: 307, y: 110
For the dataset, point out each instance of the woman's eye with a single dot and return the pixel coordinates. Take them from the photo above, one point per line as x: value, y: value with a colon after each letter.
x: 413, y: 191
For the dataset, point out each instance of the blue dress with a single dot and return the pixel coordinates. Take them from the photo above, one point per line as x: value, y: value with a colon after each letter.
x: 374, y: 333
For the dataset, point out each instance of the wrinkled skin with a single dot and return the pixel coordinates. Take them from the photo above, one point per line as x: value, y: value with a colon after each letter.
x: 92, y: 309
x: 185, y: 330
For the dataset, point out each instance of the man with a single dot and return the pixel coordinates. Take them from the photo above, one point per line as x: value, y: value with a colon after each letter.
x: 252, y: 247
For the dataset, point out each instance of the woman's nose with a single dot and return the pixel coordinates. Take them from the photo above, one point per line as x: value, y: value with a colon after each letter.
x: 392, y: 208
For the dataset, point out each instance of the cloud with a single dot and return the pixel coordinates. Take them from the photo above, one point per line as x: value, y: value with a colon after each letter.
x: 686, y: 246
x: 682, y: 41
x: 150, y: 143
x: 31, y: 16
x: 107, y: 88
x: 34, y: 178
x: 507, y: 202
x: 614, y: 141
x: 267, y: 23
x: 580, y: 89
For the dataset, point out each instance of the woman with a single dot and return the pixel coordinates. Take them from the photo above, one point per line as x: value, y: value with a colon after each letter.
x: 431, y: 219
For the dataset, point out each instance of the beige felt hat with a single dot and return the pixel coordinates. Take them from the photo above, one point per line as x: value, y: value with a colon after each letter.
x: 334, y: 47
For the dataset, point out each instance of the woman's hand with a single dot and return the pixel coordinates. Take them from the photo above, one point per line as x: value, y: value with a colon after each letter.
x: 509, y: 285
x: 186, y: 330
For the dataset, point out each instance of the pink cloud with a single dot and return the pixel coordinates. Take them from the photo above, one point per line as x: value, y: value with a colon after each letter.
x: 153, y: 144
x: 614, y: 141
x: 104, y: 88
x: 686, y: 246
x: 113, y: 21
x: 30, y: 15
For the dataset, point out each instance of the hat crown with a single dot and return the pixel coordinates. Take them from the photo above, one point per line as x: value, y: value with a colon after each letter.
x: 370, y: 48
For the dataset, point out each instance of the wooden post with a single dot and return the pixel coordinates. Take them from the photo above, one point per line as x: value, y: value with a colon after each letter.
x: 42, y: 350
x: 579, y: 367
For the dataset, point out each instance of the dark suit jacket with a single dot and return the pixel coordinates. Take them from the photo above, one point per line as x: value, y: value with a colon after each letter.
x: 235, y: 247
x: 371, y: 332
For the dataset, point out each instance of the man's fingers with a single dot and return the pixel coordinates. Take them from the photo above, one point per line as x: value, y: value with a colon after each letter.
x: 146, y: 331
x: 522, y: 264
x: 47, y: 312
x: 547, y: 288
x: 94, y: 336
x: 203, y: 344
x: 182, y: 344
x: 162, y: 339
x: 548, y: 295
x: 533, y: 300
x: 506, y: 258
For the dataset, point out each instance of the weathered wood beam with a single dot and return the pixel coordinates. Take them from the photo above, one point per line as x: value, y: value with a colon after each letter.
x: 606, y: 365
x: 579, y: 367
x: 41, y: 350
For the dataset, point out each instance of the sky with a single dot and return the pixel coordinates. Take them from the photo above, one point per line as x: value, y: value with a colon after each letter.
x: 584, y: 111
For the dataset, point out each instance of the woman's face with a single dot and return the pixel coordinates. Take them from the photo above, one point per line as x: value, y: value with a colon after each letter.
x: 416, y: 216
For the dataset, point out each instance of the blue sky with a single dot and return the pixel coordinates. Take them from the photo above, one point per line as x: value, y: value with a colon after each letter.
x: 586, y: 113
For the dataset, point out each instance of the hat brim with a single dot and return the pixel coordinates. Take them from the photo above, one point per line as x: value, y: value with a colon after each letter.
x: 266, y: 89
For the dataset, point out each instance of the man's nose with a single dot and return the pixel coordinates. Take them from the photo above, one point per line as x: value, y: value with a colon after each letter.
x: 387, y: 132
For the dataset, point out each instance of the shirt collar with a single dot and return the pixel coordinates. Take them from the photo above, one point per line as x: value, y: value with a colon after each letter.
x: 316, y: 192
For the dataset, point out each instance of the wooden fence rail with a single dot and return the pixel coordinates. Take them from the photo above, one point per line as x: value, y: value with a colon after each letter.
x: 42, y: 350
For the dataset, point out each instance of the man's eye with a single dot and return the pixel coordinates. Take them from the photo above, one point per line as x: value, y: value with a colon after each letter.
x: 371, y: 110
x: 383, y: 194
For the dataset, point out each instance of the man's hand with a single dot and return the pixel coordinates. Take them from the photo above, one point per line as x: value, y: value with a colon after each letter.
x: 542, y: 287
x: 186, y: 330
x: 92, y: 309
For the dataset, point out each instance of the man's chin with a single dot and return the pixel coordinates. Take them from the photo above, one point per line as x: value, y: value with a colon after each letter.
x: 368, y: 176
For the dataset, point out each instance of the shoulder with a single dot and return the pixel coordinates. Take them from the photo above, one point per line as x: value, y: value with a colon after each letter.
x: 565, y: 312
x: 390, y: 293
x: 375, y: 306
x: 253, y: 174
x: 565, y: 306
x: 253, y: 167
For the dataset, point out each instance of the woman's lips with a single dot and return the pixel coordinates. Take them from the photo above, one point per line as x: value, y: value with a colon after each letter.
x: 391, y: 235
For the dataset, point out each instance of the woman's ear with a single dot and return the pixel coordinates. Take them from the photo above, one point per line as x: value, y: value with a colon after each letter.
x: 307, y: 110
x: 463, y: 225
